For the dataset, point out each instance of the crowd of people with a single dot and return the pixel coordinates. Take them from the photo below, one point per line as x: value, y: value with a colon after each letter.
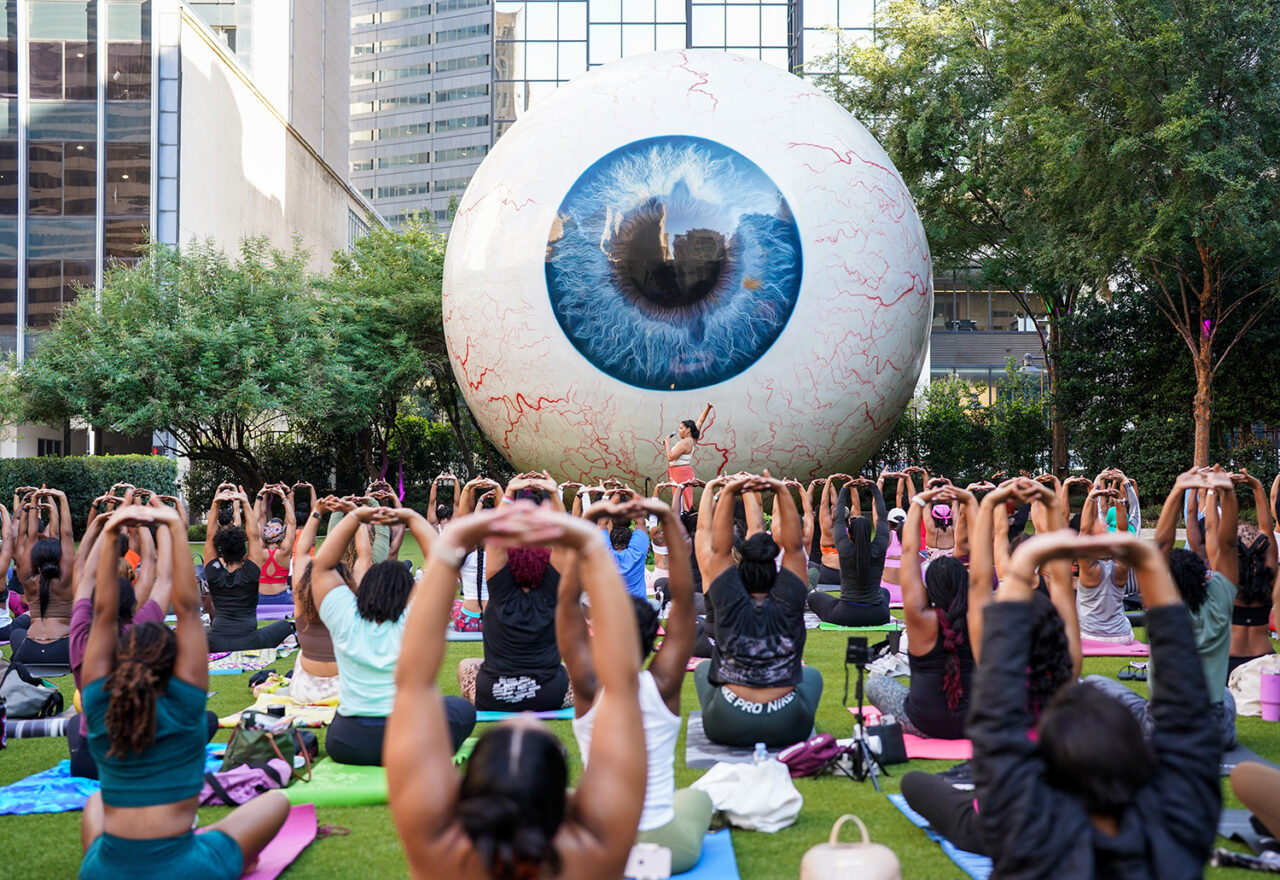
x: 1071, y: 777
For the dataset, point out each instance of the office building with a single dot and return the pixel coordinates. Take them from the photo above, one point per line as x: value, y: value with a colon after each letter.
x: 123, y: 118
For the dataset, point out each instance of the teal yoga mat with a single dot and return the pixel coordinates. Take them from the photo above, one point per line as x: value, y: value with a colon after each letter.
x: 976, y: 866
x: 554, y: 715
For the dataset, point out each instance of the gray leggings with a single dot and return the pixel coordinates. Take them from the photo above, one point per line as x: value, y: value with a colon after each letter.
x: 730, y: 720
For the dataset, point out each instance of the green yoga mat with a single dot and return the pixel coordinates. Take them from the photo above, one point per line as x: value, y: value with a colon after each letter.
x: 834, y: 627
x: 340, y: 785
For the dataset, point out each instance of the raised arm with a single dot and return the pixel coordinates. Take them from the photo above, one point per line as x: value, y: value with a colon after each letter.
x: 702, y: 419
x: 1228, y: 560
x: 914, y: 601
x: 668, y: 665
x: 324, y: 575
x: 1195, y: 532
x: 252, y: 528
x: 1171, y: 512
x: 1265, y: 524
x: 982, y: 560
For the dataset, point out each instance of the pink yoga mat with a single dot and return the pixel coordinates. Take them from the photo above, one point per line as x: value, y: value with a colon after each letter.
x: 921, y: 746
x: 296, y: 834
x: 1094, y: 648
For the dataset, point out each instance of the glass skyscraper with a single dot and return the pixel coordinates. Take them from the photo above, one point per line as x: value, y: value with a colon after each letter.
x: 75, y: 151
x: 435, y: 84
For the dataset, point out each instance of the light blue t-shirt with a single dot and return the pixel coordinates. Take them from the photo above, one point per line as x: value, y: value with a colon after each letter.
x: 631, y: 562
x: 366, y: 653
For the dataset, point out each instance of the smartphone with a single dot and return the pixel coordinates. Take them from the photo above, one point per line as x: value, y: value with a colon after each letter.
x: 648, y: 861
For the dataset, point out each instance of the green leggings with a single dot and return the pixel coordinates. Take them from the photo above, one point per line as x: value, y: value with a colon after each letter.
x: 732, y: 721
x: 683, y: 834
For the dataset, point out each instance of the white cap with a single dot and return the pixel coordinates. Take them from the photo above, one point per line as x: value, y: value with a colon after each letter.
x: 897, y: 515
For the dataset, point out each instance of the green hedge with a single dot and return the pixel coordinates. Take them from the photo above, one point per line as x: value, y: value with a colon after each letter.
x: 86, y: 477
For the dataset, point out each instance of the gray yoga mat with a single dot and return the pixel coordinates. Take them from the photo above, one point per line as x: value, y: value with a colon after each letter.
x: 701, y: 753
x: 1235, y: 825
x: 1239, y: 755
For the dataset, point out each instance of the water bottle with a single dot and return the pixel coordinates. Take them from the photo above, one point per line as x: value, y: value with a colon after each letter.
x: 761, y: 754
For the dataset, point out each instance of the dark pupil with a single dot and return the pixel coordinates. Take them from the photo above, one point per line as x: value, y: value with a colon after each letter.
x: 678, y: 274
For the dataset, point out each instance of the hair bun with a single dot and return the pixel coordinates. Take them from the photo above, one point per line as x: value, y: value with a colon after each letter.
x: 51, y: 570
x: 760, y: 547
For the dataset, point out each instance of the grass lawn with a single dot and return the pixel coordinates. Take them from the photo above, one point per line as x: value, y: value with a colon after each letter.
x: 48, y: 846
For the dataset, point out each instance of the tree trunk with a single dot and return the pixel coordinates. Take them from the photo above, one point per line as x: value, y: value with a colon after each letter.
x: 1204, y: 399
x: 1058, y: 442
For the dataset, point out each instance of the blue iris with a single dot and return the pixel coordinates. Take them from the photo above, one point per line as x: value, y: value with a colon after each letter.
x: 673, y: 263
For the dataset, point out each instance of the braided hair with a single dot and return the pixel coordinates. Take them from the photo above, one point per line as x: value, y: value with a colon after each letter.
x: 1049, y: 667
x: 1256, y: 578
x: 946, y: 585
x: 308, y: 612
x: 144, y: 664
x: 46, y: 559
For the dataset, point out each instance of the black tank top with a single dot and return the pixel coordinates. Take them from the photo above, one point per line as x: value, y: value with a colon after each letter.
x: 927, y: 702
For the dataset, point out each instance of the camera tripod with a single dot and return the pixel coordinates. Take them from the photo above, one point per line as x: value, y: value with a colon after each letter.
x: 866, y: 763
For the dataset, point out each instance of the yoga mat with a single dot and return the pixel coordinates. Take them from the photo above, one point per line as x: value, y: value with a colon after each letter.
x: 717, y: 862
x: 294, y: 836
x: 452, y: 635
x: 976, y: 866
x: 694, y: 662
x: 275, y: 612
x: 340, y: 785
x: 464, y: 751
x: 924, y: 747
x: 36, y: 727
x: 835, y: 627
x: 301, y: 714
x: 1240, y: 755
x: 701, y: 753
x: 1094, y: 648
x: 1235, y: 825
x: 50, y: 671
x: 551, y: 715
x: 56, y: 791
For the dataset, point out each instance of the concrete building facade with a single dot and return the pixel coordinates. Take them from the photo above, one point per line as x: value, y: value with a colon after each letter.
x: 127, y: 118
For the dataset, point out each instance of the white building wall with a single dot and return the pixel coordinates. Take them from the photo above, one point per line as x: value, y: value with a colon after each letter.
x: 243, y: 170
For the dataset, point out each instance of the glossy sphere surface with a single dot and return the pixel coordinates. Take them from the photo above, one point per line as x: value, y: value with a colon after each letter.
x: 680, y: 228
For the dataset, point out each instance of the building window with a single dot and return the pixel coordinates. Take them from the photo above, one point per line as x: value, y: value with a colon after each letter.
x: 403, y: 160
x: 463, y: 33
x: 399, y: 131
x: 403, y: 190
x: 480, y: 91
x: 362, y: 165
x: 465, y: 63
x: 452, y: 184
x: 462, y: 122
x: 454, y: 5
x: 455, y: 154
x: 379, y: 46
x: 48, y: 447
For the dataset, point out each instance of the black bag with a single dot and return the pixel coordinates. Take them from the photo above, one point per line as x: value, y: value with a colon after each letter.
x: 26, y: 696
x: 893, y: 750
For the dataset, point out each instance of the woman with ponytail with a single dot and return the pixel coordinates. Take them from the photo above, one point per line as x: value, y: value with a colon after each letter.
x: 939, y: 653
x: 755, y: 689
x: 509, y: 815
x: 144, y: 697
x: 862, y: 546
x: 47, y: 583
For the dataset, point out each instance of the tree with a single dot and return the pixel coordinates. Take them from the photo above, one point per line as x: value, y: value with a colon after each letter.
x: 935, y: 89
x: 1181, y: 104
x: 220, y: 353
x: 384, y: 297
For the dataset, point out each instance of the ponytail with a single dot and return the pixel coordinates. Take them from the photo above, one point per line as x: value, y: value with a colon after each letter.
x: 46, y: 559
x: 947, y: 588
x: 143, y: 668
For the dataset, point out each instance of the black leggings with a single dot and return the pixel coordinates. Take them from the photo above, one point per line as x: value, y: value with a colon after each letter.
x: 357, y: 739
x: 31, y: 652
x: 268, y: 636
x: 833, y: 609
x: 82, y: 762
x: 950, y: 811
x: 827, y: 576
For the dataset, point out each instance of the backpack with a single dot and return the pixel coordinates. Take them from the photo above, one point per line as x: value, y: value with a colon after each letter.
x: 26, y: 696
x: 810, y: 757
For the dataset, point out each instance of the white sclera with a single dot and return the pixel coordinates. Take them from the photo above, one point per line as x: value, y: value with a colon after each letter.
x: 825, y: 394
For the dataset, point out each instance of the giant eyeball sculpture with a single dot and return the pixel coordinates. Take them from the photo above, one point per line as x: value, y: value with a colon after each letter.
x: 677, y: 229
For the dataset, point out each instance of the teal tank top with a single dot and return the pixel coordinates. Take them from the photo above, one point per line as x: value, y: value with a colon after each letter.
x: 171, y: 769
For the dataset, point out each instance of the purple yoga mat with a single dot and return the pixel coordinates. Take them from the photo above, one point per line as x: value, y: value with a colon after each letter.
x: 1095, y: 648
x: 293, y: 837
x: 274, y: 612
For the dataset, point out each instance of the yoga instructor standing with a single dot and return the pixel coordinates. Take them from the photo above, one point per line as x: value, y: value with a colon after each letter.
x: 680, y: 452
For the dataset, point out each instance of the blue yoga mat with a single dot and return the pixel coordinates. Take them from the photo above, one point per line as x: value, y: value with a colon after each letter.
x: 452, y: 635
x: 56, y: 791
x: 554, y: 715
x: 976, y: 866
x: 717, y: 861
